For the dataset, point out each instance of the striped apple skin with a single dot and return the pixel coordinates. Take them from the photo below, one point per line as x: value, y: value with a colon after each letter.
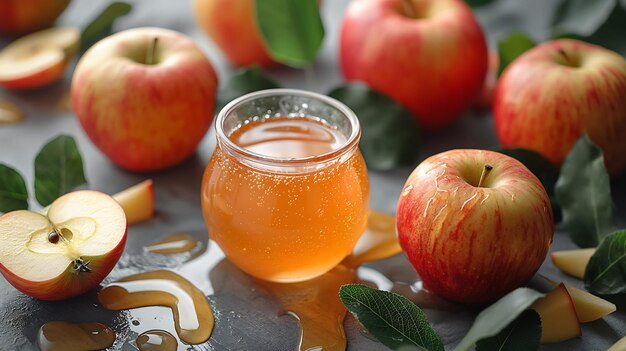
x: 543, y: 104
x: 474, y: 244
x: 434, y: 64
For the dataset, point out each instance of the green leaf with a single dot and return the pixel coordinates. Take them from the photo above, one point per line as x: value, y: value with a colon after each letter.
x: 511, y: 47
x: 584, y: 193
x: 392, y: 319
x: 496, y: 317
x: 581, y: 17
x: 523, y: 334
x: 58, y: 169
x: 478, y: 3
x: 100, y: 26
x: 292, y: 30
x: 13, y: 193
x: 389, y: 134
x: 606, y: 271
x: 542, y: 168
x: 243, y: 81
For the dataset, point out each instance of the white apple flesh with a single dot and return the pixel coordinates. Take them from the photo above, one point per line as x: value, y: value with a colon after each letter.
x: 572, y: 262
x: 38, y: 59
x: 68, y: 251
x: 137, y: 201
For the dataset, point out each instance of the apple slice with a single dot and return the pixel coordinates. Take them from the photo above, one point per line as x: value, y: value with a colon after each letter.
x: 559, y: 321
x: 66, y: 252
x: 620, y: 345
x: 38, y: 59
x: 572, y: 262
x: 10, y: 113
x: 588, y: 306
x: 137, y: 201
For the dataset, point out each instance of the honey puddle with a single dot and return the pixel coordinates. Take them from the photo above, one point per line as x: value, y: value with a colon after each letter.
x: 174, y: 244
x: 315, y: 303
x: 64, y: 336
x: 192, y: 314
x: 156, y: 340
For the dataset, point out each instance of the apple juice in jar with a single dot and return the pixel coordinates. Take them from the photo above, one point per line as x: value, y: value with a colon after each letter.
x: 286, y: 193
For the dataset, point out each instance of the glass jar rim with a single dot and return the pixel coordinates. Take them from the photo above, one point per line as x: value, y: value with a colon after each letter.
x: 351, y: 141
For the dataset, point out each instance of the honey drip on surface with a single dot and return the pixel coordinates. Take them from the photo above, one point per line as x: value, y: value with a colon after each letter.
x: 156, y: 340
x: 192, y: 313
x: 315, y: 303
x: 174, y: 244
x: 64, y: 336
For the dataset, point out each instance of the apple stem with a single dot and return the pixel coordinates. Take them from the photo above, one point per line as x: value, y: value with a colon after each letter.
x: 568, y: 60
x: 484, y: 174
x: 409, y: 10
x: 151, y: 51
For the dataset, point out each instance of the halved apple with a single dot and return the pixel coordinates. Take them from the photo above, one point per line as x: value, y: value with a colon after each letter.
x: 572, y: 262
x: 137, y: 201
x: 66, y: 252
x: 39, y: 58
x: 559, y: 321
x: 620, y: 345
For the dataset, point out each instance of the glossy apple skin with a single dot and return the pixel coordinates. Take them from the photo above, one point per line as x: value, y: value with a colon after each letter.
x: 231, y: 24
x: 470, y: 244
x: 544, y: 105
x: 144, y: 117
x: 25, y: 16
x: 434, y: 66
x: 68, y: 284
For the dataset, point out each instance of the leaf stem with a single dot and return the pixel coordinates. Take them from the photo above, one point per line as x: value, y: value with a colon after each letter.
x: 151, y: 50
x: 567, y: 58
x: 409, y: 10
x: 484, y: 174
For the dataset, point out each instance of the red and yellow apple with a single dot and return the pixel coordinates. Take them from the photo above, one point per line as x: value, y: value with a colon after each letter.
x: 572, y: 262
x: 38, y: 59
x: 232, y: 26
x: 137, y: 201
x: 428, y: 55
x: 145, y: 97
x: 553, y: 93
x: 473, y: 240
x: 559, y: 321
x: 66, y: 252
x: 25, y: 16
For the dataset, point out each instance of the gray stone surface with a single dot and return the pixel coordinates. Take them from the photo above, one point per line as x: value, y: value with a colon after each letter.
x: 245, y: 318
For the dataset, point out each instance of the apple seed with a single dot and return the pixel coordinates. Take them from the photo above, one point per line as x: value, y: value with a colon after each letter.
x: 53, y: 237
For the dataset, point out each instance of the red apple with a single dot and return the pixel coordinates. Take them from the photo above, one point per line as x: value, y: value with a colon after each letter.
x: 66, y: 252
x: 24, y: 16
x: 145, y: 97
x: 232, y: 26
x: 473, y: 241
x: 428, y: 55
x: 38, y: 59
x: 556, y: 91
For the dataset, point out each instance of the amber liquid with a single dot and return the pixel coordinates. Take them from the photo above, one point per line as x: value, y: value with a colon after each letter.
x: 174, y: 244
x: 285, y: 226
x: 193, y: 317
x: 64, y: 336
x: 156, y: 340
